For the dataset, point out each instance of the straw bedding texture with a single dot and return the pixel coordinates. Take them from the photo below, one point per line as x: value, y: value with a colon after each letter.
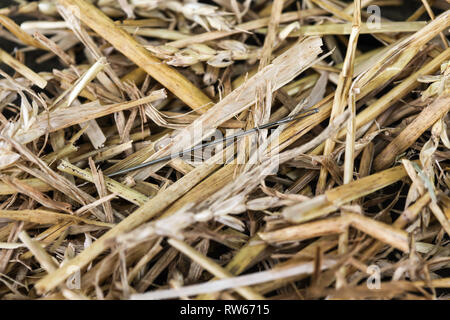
x: 346, y: 198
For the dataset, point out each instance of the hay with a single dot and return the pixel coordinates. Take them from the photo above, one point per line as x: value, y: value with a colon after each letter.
x: 99, y: 99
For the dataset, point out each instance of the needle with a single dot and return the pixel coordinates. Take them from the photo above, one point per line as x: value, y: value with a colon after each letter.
x: 300, y: 115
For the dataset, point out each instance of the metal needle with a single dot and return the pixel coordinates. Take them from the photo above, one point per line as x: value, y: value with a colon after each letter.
x: 300, y: 115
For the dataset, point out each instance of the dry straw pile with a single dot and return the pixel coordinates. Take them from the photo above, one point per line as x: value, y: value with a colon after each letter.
x: 350, y: 202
